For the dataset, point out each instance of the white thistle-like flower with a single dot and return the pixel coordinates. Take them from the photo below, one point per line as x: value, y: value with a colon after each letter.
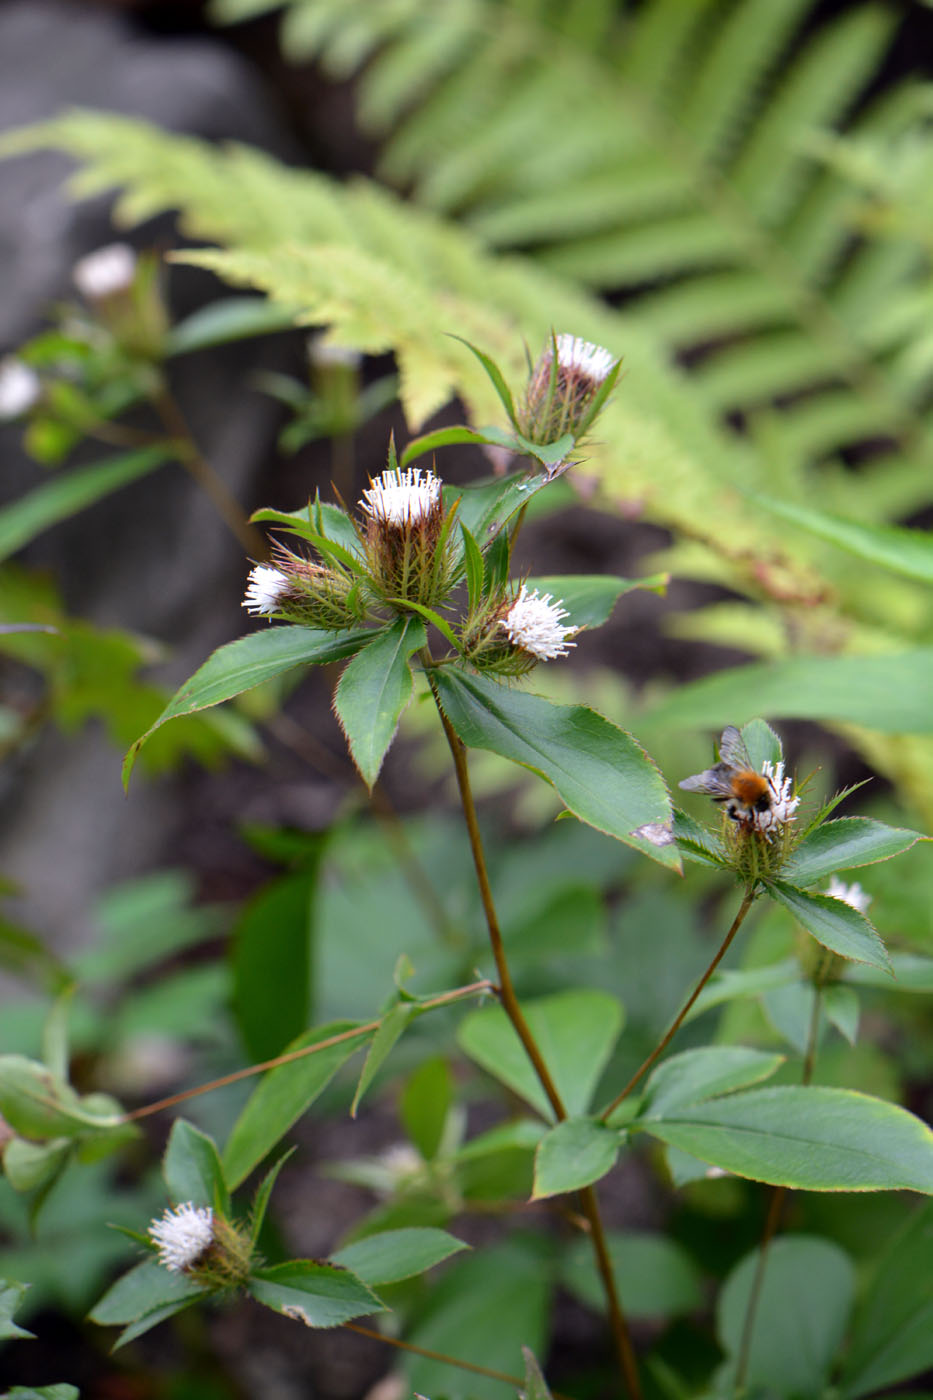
x: 783, y: 805
x: 402, y: 497
x: 583, y: 357
x: 105, y: 272
x: 182, y: 1235
x: 534, y: 624
x: 264, y: 590
x: 20, y: 387
x: 852, y: 894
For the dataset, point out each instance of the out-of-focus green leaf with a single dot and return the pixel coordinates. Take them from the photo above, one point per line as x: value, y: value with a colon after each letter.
x: 229, y: 318
x: 576, y: 1153
x: 904, y: 551
x: 655, y: 1276
x: 590, y: 598
x: 575, y: 1032
x: 271, y: 958
x: 890, y: 693
x: 71, y: 492
x: 192, y: 1169
x: 397, y: 1254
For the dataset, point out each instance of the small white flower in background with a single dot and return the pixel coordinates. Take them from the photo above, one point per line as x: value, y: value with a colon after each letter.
x: 852, y: 894
x: 583, y: 357
x: 20, y: 388
x: 783, y: 806
x: 265, y: 590
x: 182, y: 1235
x: 322, y: 354
x: 402, y: 497
x: 105, y: 272
x: 534, y: 624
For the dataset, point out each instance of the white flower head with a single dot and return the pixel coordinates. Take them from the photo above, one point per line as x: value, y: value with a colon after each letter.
x: 782, y: 806
x: 20, y: 388
x: 534, y: 624
x: 583, y: 357
x: 105, y: 272
x: 402, y: 497
x: 182, y: 1235
x: 265, y: 590
x: 852, y: 894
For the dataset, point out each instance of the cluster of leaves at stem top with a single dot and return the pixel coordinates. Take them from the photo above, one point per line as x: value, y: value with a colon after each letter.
x: 419, y: 556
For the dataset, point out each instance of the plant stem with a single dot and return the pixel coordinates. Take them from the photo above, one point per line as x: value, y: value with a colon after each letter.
x: 440, y: 1356
x: 777, y: 1198
x: 666, y: 1039
x: 588, y: 1198
x: 442, y: 999
x: 202, y: 473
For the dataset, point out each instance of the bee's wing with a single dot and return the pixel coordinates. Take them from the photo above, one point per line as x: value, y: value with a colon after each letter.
x: 715, y: 782
x: 732, y: 750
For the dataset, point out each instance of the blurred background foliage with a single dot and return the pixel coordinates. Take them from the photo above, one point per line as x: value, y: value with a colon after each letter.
x: 734, y: 195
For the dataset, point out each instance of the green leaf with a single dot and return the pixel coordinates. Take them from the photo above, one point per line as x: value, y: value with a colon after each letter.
x: 151, y: 1319
x: 888, y: 692
x: 601, y: 773
x: 11, y: 1295
x: 425, y: 1103
x: 28, y: 1166
x: 474, y: 566
x: 441, y: 437
x: 246, y: 663
x: 750, y: 982
x: 391, y: 1028
x: 72, y: 491
x: 695, y: 1075
x: 833, y: 923
x: 912, y: 973
x: 904, y: 551
x: 844, y: 844
x: 575, y: 1032
x: 263, y: 1195
x: 590, y: 598
x: 535, y: 1385
x: 484, y: 1308
x: 271, y: 957
x: 892, y: 1332
x: 654, y: 1275
x: 192, y: 1169
x: 841, y: 1005
x: 397, y: 1254
x: 374, y: 690
x: 697, y: 842
x: 229, y: 318
x: 282, y: 1096
x: 61, y: 1391
x: 803, y: 1308
x: 576, y: 1153
x: 761, y: 742
x: 319, y: 1295
x: 38, y: 1105
x: 146, y: 1287
x: 495, y: 376
x: 811, y: 1139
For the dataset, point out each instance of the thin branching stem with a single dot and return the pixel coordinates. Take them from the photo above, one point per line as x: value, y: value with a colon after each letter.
x: 203, y: 474
x: 678, y: 1021
x: 442, y: 999
x: 510, y: 1004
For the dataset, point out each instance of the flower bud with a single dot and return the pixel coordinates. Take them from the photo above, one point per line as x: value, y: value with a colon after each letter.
x: 304, y: 592
x: 568, y: 387
x: 406, y: 536
x: 124, y: 292
x: 197, y: 1241
x: 521, y: 632
x: 20, y: 388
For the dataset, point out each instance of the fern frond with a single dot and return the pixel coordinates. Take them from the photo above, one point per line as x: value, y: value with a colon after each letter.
x: 664, y: 156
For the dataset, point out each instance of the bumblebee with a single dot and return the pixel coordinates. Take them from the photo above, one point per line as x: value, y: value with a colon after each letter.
x: 749, y: 796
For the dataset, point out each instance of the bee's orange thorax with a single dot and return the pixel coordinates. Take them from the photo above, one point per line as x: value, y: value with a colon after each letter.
x: 748, y: 786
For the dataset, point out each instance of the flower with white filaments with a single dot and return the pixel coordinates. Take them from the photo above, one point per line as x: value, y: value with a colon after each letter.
x: 584, y: 358
x: 402, y: 497
x: 264, y: 590
x: 534, y: 624
x: 182, y: 1235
